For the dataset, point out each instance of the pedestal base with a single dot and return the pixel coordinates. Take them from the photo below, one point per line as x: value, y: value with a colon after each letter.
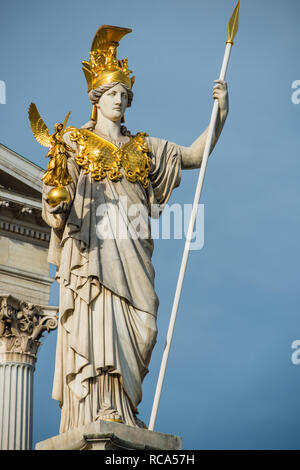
x: 103, y: 435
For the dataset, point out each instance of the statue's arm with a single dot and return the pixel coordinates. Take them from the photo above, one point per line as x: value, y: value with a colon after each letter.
x: 55, y: 217
x: 192, y: 156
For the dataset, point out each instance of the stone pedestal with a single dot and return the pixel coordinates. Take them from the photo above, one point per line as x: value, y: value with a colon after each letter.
x: 21, y: 327
x: 104, y: 435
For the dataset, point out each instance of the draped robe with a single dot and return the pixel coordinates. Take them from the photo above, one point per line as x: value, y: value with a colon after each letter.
x: 108, y: 305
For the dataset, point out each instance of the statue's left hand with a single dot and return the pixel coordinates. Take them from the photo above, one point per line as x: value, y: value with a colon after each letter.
x: 61, y: 208
x: 220, y: 93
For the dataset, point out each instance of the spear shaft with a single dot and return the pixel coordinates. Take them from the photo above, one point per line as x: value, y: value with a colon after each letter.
x: 232, y: 30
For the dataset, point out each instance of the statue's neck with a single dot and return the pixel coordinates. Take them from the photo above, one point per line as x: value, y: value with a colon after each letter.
x: 111, y: 129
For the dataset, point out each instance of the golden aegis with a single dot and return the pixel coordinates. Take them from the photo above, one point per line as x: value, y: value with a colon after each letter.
x: 100, y: 158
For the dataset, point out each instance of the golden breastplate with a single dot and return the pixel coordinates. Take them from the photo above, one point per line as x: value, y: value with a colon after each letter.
x: 102, y: 159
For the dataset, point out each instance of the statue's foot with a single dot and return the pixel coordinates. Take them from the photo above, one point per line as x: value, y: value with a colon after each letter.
x: 140, y: 423
x: 109, y: 415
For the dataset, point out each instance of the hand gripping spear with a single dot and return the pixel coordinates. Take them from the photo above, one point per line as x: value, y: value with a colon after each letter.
x: 232, y: 30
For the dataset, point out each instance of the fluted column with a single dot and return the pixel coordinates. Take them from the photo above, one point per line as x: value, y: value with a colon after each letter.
x: 21, y: 327
x: 16, y: 381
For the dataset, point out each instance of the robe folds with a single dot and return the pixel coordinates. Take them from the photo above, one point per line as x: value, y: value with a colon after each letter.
x: 108, y: 305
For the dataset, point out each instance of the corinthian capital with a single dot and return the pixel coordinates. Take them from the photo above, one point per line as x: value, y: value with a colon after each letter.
x: 22, y: 325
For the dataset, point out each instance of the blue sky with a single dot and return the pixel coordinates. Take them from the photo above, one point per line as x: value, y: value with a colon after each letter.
x: 230, y: 382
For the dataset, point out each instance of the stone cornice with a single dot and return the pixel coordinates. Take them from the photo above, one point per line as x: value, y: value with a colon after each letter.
x: 24, y: 223
x: 21, y: 168
x: 27, y: 275
x: 21, y: 208
x: 25, y: 231
x: 11, y: 196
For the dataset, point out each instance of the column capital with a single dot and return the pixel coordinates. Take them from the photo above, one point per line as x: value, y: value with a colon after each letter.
x: 21, y: 327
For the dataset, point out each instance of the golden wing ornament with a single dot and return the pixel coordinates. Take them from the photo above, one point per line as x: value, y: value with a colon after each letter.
x: 57, y: 173
x: 97, y: 156
x: 39, y: 128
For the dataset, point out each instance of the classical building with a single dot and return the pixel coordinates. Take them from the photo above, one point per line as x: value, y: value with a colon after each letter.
x: 24, y: 293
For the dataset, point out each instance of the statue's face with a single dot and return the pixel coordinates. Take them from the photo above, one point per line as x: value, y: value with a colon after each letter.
x: 113, y: 103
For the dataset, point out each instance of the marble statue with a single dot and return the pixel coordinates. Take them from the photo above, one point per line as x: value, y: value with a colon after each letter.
x: 108, y: 305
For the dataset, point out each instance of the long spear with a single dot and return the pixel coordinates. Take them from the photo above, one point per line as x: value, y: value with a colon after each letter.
x: 232, y: 30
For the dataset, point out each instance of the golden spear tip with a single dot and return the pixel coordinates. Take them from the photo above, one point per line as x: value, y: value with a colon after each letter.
x: 66, y: 119
x: 233, y: 24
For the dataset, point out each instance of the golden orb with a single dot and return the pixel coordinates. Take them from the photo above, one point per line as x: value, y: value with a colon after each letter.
x: 58, y: 195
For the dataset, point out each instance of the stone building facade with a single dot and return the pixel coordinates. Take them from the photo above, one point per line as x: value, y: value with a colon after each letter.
x: 24, y: 293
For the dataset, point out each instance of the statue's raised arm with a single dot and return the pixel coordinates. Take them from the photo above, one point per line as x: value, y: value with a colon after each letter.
x: 192, y: 156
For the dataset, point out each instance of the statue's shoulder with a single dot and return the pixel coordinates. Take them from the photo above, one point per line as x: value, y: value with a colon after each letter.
x: 154, y: 144
x: 70, y: 130
x: 68, y: 136
x: 141, y: 141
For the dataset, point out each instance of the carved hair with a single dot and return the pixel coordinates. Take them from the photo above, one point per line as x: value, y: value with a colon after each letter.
x: 95, y: 95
